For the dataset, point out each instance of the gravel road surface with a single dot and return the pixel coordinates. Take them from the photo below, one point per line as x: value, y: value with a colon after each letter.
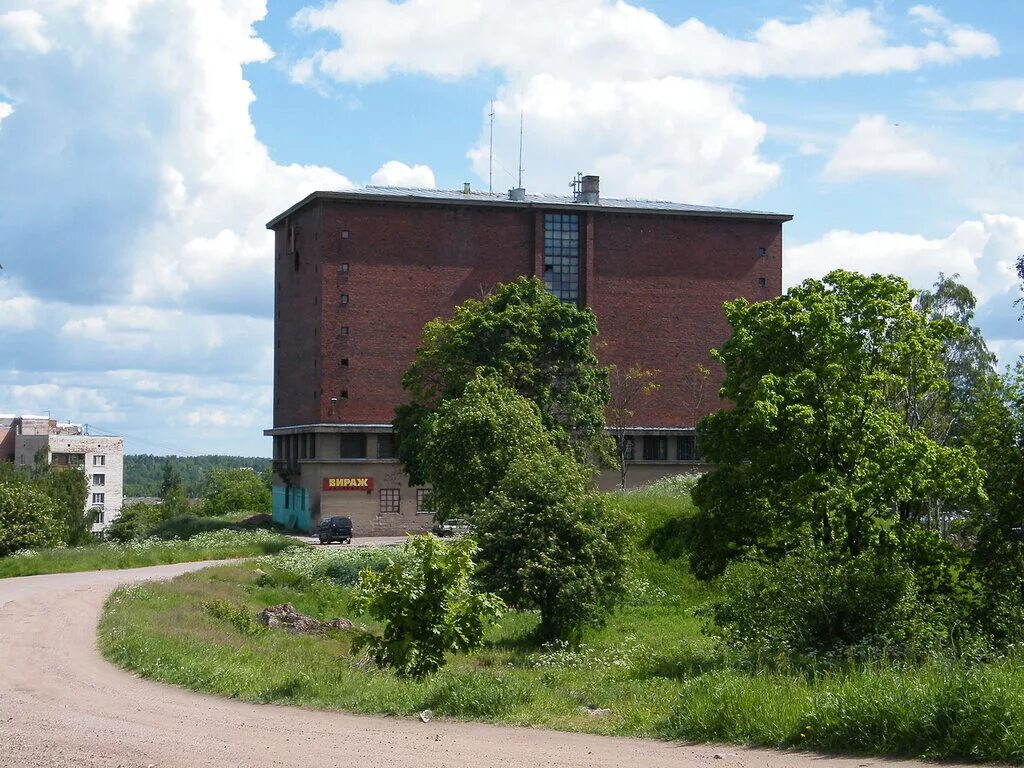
x: 61, y: 704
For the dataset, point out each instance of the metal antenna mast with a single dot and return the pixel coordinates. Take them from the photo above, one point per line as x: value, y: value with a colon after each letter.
x: 490, y: 154
x: 520, y: 184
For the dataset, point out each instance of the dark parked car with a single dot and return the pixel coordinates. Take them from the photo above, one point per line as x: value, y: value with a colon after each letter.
x: 335, y: 529
x: 452, y: 527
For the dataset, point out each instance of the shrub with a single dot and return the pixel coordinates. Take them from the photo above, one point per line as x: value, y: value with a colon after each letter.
x: 235, y: 615
x: 235, y: 490
x: 806, y: 606
x: 135, y: 522
x: 28, y: 518
x: 426, y: 605
x: 549, y: 542
x: 341, y: 566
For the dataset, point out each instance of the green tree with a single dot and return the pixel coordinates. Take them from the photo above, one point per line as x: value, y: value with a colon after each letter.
x: 68, y: 488
x: 427, y: 606
x: 967, y: 363
x: 628, y: 388
x: 995, y: 430
x: 467, y: 443
x: 548, y: 541
x: 815, y: 450
x: 28, y: 518
x: 171, y: 485
x: 235, y: 490
x: 538, y: 345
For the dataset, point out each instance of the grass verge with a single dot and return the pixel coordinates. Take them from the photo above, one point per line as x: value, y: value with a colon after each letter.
x: 650, y: 668
x: 212, y: 545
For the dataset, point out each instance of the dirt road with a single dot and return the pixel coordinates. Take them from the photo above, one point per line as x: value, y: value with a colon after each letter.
x: 61, y: 704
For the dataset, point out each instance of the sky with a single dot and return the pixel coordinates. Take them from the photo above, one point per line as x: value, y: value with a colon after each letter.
x: 144, y: 144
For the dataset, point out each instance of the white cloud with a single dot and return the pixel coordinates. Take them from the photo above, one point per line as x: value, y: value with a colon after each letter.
x: 981, y: 252
x: 22, y: 30
x: 673, y: 137
x: 1005, y: 95
x: 610, y: 87
x: 18, y: 310
x: 146, y: 216
x: 875, y: 146
x: 607, y: 38
x: 929, y: 16
x: 397, y: 174
x: 6, y: 110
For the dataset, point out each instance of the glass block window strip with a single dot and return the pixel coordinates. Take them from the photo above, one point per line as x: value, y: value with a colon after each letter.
x: 562, y: 255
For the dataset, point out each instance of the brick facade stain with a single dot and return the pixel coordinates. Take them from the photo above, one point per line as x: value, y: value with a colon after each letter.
x: 358, y: 275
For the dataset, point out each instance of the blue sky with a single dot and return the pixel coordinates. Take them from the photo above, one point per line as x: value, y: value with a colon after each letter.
x: 144, y: 144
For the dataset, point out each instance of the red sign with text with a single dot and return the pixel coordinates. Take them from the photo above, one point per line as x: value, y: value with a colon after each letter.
x: 348, y: 484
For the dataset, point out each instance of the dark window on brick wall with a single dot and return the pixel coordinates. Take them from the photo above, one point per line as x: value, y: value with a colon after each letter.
x: 344, y: 330
x: 344, y: 269
x: 296, y: 261
x: 562, y: 255
x: 344, y: 298
x: 387, y: 446
x: 686, y: 448
x: 655, y: 448
x: 390, y: 501
x: 352, y: 445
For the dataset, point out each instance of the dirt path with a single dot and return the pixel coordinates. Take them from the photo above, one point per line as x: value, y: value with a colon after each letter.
x: 61, y: 704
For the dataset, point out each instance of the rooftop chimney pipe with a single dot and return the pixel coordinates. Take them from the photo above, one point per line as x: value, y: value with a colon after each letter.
x: 590, y: 190
x: 517, y: 195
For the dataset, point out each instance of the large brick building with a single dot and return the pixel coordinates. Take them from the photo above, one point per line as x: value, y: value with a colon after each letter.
x: 358, y: 274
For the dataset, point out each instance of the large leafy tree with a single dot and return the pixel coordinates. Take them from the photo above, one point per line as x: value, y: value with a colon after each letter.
x: 816, y: 449
x: 967, y: 363
x: 995, y: 429
x: 548, y: 541
x: 536, y: 344
x: 468, y: 443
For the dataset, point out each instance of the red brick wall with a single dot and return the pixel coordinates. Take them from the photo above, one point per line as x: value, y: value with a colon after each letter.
x: 656, y: 283
x: 657, y: 289
x: 407, y: 264
x: 297, y: 320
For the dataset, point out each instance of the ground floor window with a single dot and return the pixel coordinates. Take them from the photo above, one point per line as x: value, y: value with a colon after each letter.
x: 97, y: 516
x: 390, y: 500
x: 686, y: 448
x: 423, y: 505
x: 655, y: 448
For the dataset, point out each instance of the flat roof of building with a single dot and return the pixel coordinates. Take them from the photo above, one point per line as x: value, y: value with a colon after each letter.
x: 458, y: 197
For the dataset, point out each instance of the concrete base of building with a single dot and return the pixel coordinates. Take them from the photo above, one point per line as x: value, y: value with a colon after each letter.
x: 377, y: 496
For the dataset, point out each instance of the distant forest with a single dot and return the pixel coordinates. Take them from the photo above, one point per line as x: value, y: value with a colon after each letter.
x: 143, y: 473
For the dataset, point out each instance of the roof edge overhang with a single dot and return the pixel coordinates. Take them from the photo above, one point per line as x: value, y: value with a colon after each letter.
x: 297, y: 429
x: 502, y: 203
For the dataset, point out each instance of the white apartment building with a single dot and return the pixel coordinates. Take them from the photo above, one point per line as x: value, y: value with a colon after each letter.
x: 69, y: 447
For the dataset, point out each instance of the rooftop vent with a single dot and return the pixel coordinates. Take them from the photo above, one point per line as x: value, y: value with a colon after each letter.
x: 466, y: 188
x: 590, y: 190
x: 517, y: 195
